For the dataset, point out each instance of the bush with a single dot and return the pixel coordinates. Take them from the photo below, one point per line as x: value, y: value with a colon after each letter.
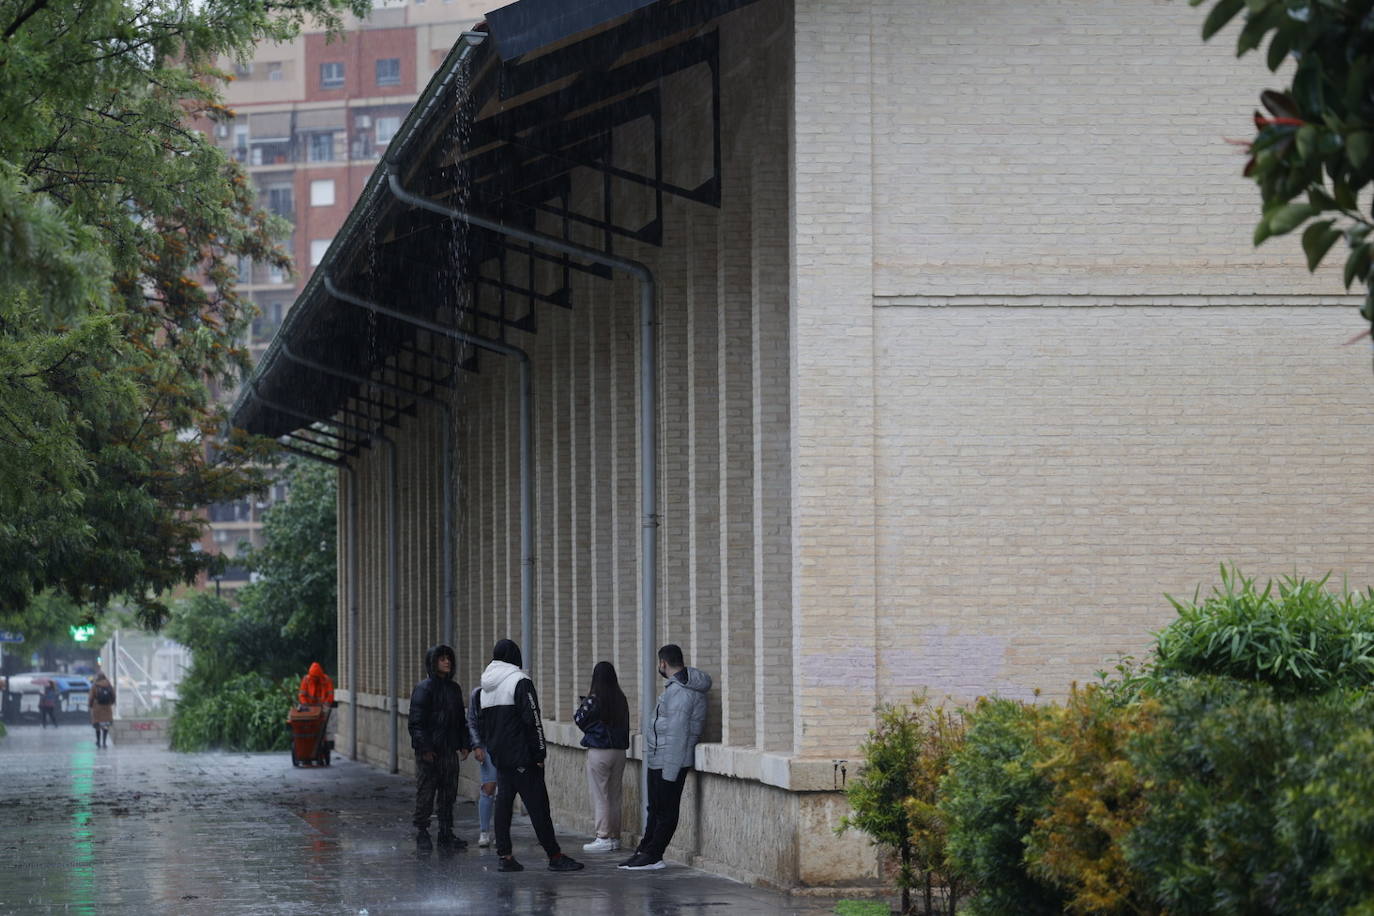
x: 894, y: 795
x: 1095, y: 799
x: 992, y: 796
x: 1258, y: 801
x: 1293, y: 634
x: 245, y: 713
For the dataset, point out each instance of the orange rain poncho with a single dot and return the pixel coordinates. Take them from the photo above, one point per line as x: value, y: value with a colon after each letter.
x: 316, y: 687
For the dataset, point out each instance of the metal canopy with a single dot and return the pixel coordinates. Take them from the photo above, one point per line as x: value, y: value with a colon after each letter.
x: 586, y: 70
x: 531, y: 24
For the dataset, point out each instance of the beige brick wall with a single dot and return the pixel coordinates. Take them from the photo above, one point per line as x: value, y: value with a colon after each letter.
x: 1090, y: 389
x: 1065, y: 147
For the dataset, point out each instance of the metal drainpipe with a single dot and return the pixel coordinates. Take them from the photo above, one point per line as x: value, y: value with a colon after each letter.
x: 352, y: 589
x: 446, y: 535
x: 393, y: 584
x: 648, y: 433
x: 526, y: 447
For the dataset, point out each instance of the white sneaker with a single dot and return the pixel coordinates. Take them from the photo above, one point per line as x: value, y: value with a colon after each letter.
x: 484, y: 840
x: 602, y: 844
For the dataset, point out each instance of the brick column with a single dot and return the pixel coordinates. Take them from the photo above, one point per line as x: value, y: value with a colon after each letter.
x: 833, y: 552
x: 735, y: 385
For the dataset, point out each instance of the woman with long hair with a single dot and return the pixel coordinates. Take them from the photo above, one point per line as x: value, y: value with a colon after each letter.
x: 604, y: 717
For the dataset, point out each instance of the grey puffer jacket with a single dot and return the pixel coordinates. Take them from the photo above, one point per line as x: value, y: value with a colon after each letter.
x: 679, y: 718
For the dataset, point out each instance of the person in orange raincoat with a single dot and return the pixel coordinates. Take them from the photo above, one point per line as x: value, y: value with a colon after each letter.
x: 316, y: 687
x: 318, y: 690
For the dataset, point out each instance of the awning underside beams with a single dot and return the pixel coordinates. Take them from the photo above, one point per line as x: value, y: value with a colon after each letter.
x: 592, y: 113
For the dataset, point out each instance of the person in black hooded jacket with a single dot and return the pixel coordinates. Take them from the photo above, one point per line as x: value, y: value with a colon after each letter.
x: 511, y: 729
x: 439, y: 735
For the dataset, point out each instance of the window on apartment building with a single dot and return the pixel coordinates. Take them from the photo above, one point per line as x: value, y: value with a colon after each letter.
x: 389, y: 71
x: 244, y: 270
x: 332, y: 75
x: 317, y: 249
x: 322, y: 192
x: 279, y: 200
x: 386, y: 129
x: 322, y: 147
x: 243, y: 71
x: 274, y: 70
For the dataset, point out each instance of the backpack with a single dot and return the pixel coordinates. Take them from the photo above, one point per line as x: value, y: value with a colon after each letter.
x: 104, y: 695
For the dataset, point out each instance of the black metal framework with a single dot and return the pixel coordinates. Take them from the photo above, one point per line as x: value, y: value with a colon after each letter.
x: 535, y: 129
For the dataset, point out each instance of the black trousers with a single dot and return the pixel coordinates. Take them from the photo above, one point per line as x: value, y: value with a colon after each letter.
x: 528, y: 783
x: 665, y: 798
x: 45, y: 713
x: 439, y: 777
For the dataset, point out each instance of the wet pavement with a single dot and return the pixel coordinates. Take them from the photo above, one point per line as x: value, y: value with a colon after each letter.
x: 144, y: 830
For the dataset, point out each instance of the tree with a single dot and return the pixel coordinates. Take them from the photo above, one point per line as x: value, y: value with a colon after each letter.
x: 1311, y: 151
x: 286, y: 619
x: 120, y: 229
x: 248, y: 659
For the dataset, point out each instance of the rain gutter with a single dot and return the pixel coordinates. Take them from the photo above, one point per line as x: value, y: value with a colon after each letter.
x: 446, y: 542
x: 648, y: 431
x: 526, y: 440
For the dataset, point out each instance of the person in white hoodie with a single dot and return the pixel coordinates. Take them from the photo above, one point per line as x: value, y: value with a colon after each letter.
x: 512, y: 731
x: 670, y: 751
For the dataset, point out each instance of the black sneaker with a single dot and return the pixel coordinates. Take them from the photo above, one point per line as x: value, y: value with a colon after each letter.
x: 448, y: 838
x: 422, y: 838
x: 561, y: 862
x: 643, y: 862
x: 508, y: 863
x: 636, y: 855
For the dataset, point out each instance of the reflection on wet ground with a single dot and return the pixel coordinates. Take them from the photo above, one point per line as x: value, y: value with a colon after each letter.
x: 143, y: 830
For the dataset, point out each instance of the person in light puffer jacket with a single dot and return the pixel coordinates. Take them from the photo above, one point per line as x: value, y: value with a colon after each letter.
x: 670, y: 751
x: 512, y: 731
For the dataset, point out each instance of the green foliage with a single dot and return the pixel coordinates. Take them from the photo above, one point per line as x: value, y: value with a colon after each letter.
x: 283, y: 622
x: 1095, y: 800
x: 44, y: 619
x: 296, y: 590
x: 893, y: 797
x: 1293, y: 634
x: 862, y: 908
x: 245, y: 713
x: 992, y: 797
x: 109, y: 203
x: 1311, y: 152
x: 1257, y: 800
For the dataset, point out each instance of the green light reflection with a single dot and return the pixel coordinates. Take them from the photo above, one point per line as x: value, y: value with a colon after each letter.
x: 83, y: 870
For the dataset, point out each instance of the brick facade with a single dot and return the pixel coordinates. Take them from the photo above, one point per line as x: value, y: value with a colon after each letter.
x: 973, y: 363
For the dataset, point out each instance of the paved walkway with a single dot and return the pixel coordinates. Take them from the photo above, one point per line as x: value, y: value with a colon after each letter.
x: 142, y: 830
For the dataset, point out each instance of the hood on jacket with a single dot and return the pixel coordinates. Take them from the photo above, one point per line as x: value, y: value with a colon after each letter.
x: 697, y: 680
x: 101, y: 679
x: 431, y: 660
x: 498, y: 674
x: 507, y: 651
x: 316, y: 670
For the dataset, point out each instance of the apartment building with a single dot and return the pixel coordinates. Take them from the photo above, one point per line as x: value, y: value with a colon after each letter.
x: 313, y: 116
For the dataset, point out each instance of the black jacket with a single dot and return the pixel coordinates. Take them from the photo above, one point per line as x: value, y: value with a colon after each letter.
x: 509, y: 721
x: 438, y: 710
x: 597, y: 732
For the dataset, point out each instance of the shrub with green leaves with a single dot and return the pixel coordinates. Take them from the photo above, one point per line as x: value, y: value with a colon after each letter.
x: 894, y: 795
x: 1258, y: 801
x: 1294, y: 634
x: 245, y: 713
x: 992, y: 797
